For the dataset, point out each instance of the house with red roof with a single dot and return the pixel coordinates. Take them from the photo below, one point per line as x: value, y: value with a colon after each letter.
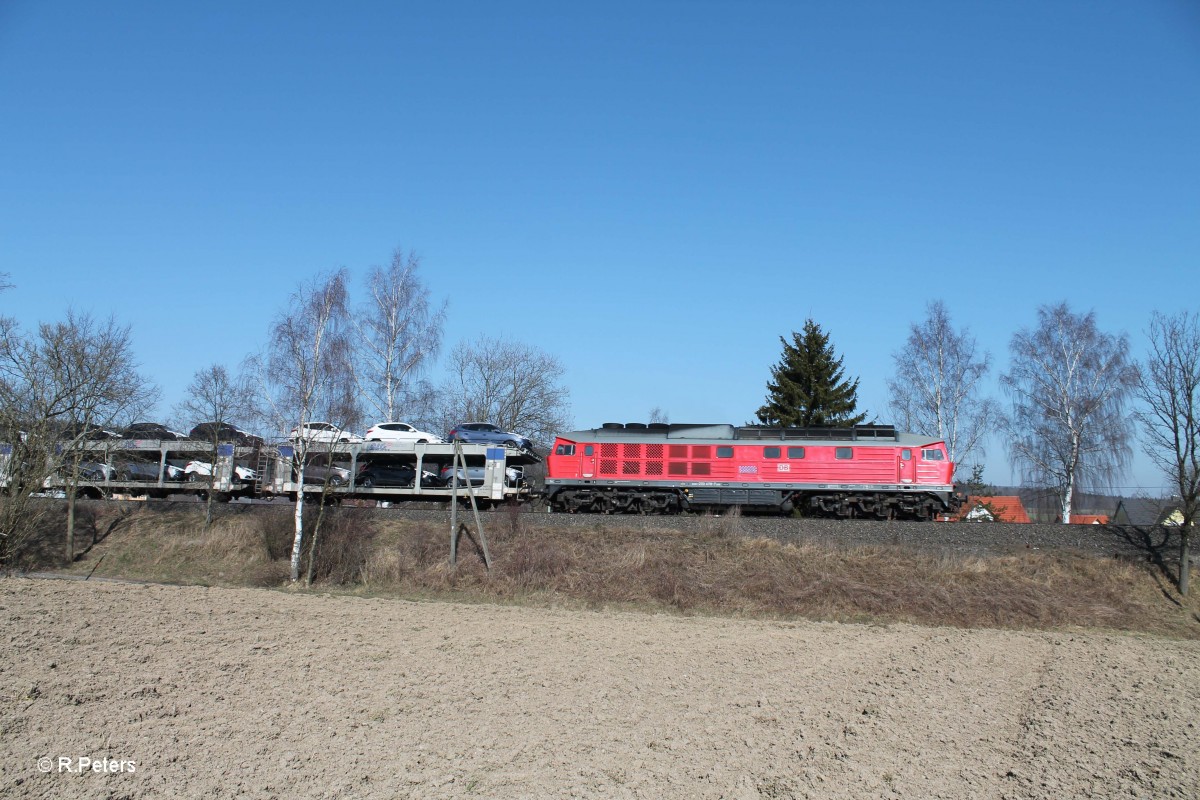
x: 996, y: 508
x: 1089, y: 519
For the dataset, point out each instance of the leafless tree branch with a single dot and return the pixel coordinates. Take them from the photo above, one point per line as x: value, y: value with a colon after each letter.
x: 936, y: 387
x: 400, y: 332
x: 510, y: 384
x: 1169, y: 387
x: 56, y: 388
x: 1069, y: 384
x: 306, y: 375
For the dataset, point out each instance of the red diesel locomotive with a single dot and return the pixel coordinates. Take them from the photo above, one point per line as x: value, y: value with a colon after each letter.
x: 868, y: 471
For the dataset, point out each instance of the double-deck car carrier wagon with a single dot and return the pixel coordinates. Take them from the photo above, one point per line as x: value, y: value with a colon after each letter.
x: 391, y: 470
x: 153, y: 468
x: 145, y: 467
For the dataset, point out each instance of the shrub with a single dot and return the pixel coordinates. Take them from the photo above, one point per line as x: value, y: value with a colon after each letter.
x: 343, y: 546
x: 37, y: 540
x: 277, y: 529
x: 535, y: 562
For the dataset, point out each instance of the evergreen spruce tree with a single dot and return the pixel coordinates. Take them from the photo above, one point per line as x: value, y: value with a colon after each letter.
x: 808, y: 388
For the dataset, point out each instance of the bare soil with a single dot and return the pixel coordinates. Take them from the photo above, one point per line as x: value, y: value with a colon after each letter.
x: 225, y: 692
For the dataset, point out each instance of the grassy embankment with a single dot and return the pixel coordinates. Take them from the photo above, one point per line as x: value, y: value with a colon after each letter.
x: 714, y: 572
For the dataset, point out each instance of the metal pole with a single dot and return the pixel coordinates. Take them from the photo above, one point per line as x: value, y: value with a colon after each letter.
x: 460, y: 461
x: 454, y: 505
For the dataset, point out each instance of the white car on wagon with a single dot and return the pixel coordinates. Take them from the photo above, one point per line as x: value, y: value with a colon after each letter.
x: 324, y: 433
x: 400, y: 432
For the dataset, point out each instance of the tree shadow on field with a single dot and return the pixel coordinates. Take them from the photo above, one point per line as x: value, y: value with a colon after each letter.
x: 101, y: 519
x: 1158, y: 545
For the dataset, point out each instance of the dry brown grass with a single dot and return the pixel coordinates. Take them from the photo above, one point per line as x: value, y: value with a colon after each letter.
x: 174, y: 547
x: 714, y: 572
x: 39, y: 538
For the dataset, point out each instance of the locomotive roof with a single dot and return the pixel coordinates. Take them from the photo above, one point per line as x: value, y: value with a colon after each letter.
x: 657, y: 432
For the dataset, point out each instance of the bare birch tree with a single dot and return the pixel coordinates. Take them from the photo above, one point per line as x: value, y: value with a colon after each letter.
x: 1069, y: 383
x: 306, y: 376
x: 1169, y: 388
x: 935, y: 390
x: 400, y: 333
x: 56, y: 389
x: 214, y: 396
x: 510, y: 384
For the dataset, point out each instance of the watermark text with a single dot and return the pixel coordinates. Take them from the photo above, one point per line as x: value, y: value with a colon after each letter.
x: 78, y: 765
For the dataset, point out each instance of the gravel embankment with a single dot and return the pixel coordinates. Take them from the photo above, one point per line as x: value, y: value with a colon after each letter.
x: 1111, y: 541
x: 1116, y: 541
x: 974, y: 538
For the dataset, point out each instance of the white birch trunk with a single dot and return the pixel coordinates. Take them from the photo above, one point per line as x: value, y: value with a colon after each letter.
x: 1068, y: 498
x: 299, y: 541
x: 1072, y: 469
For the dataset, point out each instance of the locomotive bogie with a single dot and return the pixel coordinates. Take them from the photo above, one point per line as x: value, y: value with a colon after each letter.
x: 616, y: 500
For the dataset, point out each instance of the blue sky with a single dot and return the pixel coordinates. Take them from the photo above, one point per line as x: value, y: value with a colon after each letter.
x: 653, y: 192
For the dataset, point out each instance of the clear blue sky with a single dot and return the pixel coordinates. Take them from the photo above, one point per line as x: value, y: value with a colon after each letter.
x: 654, y: 192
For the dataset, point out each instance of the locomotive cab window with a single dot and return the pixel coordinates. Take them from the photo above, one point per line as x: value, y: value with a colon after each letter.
x: 906, y: 454
x: 565, y: 450
x: 843, y: 452
x: 795, y: 452
x: 724, y: 452
x: 933, y: 455
x: 770, y: 452
x: 589, y: 450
